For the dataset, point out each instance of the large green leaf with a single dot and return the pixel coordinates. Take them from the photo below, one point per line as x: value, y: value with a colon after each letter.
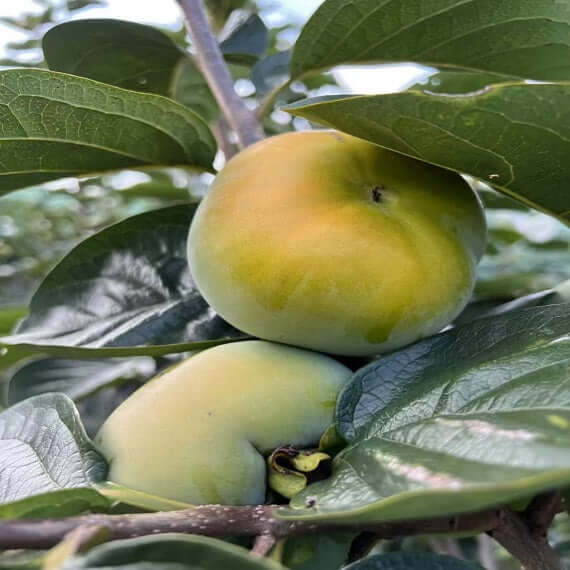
x: 56, y: 125
x: 143, y: 59
x: 412, y: 561
x: 171, y: 552
x: 471, y: 418
x: 125, y: 54
x: 523, y: 39
x: 515, y: 136
x: 75, y: 378
x: 125, y: 290
x: 44, y: 448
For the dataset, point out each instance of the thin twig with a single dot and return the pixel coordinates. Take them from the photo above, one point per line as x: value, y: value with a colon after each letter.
x: 267, y: 104
x: 80, y: 539
x: 263, y: 544
x: 514, y: 535
x: 217, y: 74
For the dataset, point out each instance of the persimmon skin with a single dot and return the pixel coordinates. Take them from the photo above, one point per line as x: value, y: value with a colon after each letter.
x: 197, y: 433
x: 326, y: 241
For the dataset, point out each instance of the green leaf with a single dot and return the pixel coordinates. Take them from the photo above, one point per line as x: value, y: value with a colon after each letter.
x: 271, y: 72
x: 474, y: 417
x: 490, y: 307
x: 190, y: 88
x: 171, y: 552
x: 21, y: 559
x: 320, y: 551
x: 247, y: 42
x: 125, y: 290
x: 146, y: 501
x: 143, y: 59
x: 61, y: 503
x: 412, y: 561
x: 556, y: 295
x: 458, y: 81
x: 56, y: 125
x: 522, y: 39
x: 9, y: 317
x: 526, y: 253
x: 44, y: 448
x: 515, y: 136
x: 75, y: 378
x: 125, y: 54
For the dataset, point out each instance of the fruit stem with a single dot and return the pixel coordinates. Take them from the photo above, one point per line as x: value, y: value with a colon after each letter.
x: 212, y: 64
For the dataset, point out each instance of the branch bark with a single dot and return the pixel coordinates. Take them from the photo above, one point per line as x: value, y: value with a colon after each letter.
x: 220, y: 521
x: 514, y: 534
x: 266, y: 522
x: 541, y: 511
x: 212, y: 64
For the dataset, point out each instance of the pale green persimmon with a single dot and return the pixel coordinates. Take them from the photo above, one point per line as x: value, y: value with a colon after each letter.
x: 198, y: 432
x: 322, y: 240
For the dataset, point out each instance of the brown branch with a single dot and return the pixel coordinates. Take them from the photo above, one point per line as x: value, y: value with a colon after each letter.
x: 220, y: 521
x: 541, y: 512
x: 514, y: 534
x: 510, y: 529
x: 212, y: 64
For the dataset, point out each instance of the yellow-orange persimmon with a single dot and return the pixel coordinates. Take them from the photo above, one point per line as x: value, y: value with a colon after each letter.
x: 326, y: 241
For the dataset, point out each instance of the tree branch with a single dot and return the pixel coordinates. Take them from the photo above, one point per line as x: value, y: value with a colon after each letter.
x: 541, y: 511
x: 266, y: 522
x: 220, y: 521
x: 514, y: 534
x: 217, y: 74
